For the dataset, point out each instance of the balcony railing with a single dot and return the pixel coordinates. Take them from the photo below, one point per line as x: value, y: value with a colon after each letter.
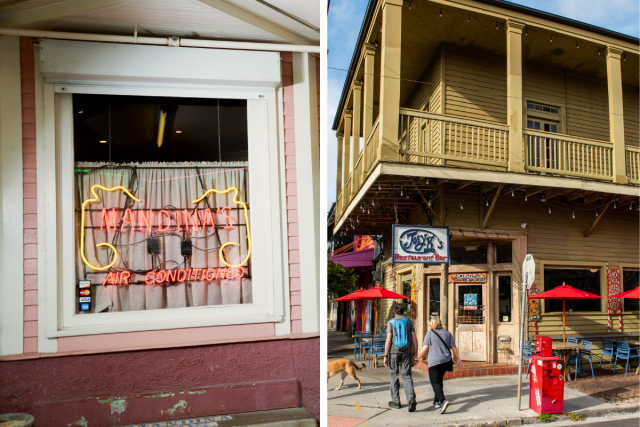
x: 551, y: 153
x: 632, y: 161
x: 370, y: 147
x: 430, y: 138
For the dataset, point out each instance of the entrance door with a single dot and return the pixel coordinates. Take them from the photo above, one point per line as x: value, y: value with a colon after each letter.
x: 470, y: 325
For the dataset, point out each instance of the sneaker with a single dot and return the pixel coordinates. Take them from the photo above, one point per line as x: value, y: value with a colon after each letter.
x: 394, y: 405
x: 412, y: 406
x: 445, y: 405
x: 437, y: 404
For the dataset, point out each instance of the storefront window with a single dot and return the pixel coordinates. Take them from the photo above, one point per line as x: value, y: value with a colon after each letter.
x: 161, y: 202
x: 583, y: 278
x: 406, y: 291
x: 630, y: 280
x: 470, y: 304
x: 463, y: 255
x: 504, y: 298
x: 503, y: 253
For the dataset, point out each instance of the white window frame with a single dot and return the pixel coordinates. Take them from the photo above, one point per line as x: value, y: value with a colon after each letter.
x: 55, y: 180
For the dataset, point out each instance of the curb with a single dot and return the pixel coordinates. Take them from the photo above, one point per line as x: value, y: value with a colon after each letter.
x: 586, y: 413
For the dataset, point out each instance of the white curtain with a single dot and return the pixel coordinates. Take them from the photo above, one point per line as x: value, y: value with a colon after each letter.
x: 173, y: 188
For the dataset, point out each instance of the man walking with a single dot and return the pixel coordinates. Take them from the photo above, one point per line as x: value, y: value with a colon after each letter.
x: 398, y: 356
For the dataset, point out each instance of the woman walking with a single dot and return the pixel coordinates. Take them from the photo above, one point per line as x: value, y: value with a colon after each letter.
x: 438, y: 344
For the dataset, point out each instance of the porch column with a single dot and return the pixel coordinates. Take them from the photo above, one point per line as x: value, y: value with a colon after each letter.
x: 616, y: 119
x: 514, y: 95
x: 357, y: 119
x: 390, y: 79
x: 369, y: 52
x: 346, y: 154
x: 339, y: 178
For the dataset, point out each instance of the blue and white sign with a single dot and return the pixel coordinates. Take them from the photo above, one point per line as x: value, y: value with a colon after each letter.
x: 420, y: 244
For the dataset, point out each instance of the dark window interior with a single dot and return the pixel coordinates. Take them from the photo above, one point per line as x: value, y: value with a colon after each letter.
x: 579, y: 278
x: 631, y: 280
x: 504, y: 298
x: 468, y: 255
x: 191, y: 131
x: 503, y: 253
x: 434, y: 296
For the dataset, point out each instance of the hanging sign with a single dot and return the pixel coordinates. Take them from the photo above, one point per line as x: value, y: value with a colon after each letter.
x: 468, y: 278
x: 420, y: 244
x: 470, y: 301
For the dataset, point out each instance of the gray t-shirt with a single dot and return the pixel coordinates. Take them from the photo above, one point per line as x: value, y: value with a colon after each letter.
x: 438, y: 352
x: 409, y: 328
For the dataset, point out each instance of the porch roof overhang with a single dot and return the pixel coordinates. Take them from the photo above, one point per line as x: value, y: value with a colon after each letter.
x: 505, y: 10
x: 357, y: 259
x: 480, y: 175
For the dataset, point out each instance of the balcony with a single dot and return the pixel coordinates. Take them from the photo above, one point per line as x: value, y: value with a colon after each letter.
x: 446, y: 141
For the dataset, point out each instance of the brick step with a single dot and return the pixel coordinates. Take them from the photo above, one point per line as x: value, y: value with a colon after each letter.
x: 483, y: 370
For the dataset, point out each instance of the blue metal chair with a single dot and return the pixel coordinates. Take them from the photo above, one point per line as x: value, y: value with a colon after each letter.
x: 527, y: 353
x: 582, y: 355
x: 572, y: 340
x: 376, y: 349
x: 357, y: 345
x: 624, y: 352
x: 608, y: 349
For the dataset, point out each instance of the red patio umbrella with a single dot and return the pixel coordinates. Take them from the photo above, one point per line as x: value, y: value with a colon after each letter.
x: 376, y: 293
x: 564, y: 292
x: 354, y: 296
x: 632, y: 294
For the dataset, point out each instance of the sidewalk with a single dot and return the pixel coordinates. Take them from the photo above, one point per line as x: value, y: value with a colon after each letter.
x: 474, y: 401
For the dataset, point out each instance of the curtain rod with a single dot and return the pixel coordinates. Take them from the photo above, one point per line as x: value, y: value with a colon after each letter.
x: 160, y: 41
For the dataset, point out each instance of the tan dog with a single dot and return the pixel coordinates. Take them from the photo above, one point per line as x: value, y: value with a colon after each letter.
x: 346, y: 366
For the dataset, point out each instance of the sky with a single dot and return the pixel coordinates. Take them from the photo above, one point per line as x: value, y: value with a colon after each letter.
x: 346, y: 16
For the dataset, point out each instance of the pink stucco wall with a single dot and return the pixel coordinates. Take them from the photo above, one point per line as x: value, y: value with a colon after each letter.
x: 75, y: 384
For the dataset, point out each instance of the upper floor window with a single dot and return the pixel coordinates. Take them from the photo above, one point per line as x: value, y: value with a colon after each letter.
x: 543, y: 108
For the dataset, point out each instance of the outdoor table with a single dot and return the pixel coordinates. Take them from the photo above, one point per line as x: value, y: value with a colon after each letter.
x: 564, y: 348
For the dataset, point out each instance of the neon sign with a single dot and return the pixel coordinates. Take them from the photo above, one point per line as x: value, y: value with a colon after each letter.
x: 157, y: 277
x: 197, y: 219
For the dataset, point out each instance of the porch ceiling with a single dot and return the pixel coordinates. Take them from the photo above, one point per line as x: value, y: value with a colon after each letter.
x: 396, y: 195
x: 423, y: 30
x: 205, y: 19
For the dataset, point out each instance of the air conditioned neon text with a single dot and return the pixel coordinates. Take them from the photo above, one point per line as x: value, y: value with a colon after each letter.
x: 177, y: 276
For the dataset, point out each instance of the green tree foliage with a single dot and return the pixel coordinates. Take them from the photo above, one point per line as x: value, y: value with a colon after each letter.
x: 341, y: 281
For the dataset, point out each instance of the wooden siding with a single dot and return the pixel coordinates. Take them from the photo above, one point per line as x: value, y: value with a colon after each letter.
x: 631, y: 103
x: 476, y: 85
x: 587, y: 107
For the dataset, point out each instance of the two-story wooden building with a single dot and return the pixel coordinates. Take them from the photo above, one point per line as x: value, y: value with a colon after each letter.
x: 517, y: 129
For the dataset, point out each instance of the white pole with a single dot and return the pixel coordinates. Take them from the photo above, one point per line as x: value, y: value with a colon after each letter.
x: 522, y: 315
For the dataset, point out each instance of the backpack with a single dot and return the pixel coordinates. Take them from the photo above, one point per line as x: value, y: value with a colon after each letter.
x: 401, y: 343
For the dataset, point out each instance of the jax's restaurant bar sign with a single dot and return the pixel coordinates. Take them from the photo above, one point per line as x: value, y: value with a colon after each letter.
x: 420, y: 244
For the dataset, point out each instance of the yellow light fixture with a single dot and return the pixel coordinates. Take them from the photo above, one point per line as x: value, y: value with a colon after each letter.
x: 80, y: 112
x: 103, y: 142
x: 163, y: 120
x: 178, y: 131
x: 594, y: 270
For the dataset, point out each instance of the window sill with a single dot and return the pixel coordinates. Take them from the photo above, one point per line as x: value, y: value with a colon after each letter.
x: 139, y: 327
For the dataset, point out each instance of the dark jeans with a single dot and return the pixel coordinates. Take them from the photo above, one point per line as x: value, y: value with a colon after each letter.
x: 436, y: 375
x: 401, y: 362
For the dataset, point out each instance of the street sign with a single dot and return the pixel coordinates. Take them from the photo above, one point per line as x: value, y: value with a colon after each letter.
x: 528, y: 270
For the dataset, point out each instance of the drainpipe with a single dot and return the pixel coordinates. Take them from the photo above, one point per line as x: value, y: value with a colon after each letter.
x: 161, y: 41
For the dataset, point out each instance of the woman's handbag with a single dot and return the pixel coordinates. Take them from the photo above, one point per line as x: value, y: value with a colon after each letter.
x: 448, y: 365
